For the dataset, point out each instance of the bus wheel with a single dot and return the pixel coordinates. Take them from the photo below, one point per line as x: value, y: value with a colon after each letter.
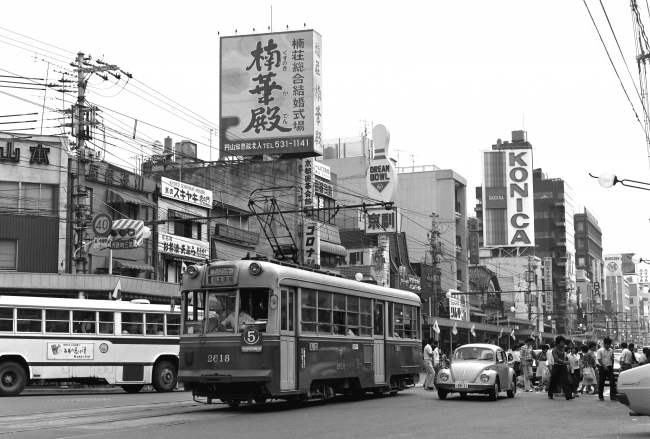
x: 12, y: 379
x: 234, y: 403
x: 260, y: 400
x: 164, y: 376
x: 132, y: 388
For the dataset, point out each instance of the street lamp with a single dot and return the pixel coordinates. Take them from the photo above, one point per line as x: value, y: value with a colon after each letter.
x: 609, y: 179
x: 636, y: 259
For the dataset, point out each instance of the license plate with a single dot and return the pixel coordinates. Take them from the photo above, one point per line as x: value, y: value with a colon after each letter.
x: 462, y: 384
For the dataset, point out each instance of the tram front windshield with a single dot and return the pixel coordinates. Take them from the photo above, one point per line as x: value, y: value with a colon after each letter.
x: 214, y: 312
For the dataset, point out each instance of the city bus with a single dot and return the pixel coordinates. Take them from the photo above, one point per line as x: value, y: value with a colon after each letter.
x: 254, y: 330
x: 129, y: 344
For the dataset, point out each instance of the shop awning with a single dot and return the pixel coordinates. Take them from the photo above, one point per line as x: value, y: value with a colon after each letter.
x: 132, y: 266
x: 118, y: 196
x: 335, y: 249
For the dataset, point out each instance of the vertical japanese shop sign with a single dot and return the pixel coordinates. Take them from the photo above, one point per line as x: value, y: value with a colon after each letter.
x: 271, y: 94
x: 308, y: 185
x: 311, y: 243
x: 519, y: 180
x: 548, y: 283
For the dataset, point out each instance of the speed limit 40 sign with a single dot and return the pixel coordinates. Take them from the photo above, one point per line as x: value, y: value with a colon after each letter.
x: 102, y: 224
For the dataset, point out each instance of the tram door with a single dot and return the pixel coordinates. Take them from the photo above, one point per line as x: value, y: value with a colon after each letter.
x: 378, y: 357
x: 287, y: 339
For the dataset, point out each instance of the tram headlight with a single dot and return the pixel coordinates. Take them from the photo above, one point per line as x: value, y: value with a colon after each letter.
x: 485, y: 378
x: 444, y: 376
x: 255, y: 268
x: 192, y: 271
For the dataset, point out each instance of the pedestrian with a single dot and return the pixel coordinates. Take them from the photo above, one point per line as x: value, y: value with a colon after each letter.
x: 428, y: 365
x: 634, y: 362
x: 605, y: 360
x: 588, y: 382
x: 516, y: 360
x: 527, y: 356
x: 643, y: 359
x: 626, y: 357
x: 542, y: 368
x: 574, y: 369
x: 559, y: 373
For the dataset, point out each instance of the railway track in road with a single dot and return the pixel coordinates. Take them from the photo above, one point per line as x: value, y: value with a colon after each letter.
x: 109, y: 418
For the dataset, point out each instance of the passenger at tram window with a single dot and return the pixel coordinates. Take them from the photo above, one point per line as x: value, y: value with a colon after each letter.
x: 88, y: 326
x: 335, y: 329
x: 351, y: 333
x: 105, y: 328
x: 135, y: 329
x: 213, y: 322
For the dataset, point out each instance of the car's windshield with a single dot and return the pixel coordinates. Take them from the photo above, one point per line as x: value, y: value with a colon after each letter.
x: 473, y: 353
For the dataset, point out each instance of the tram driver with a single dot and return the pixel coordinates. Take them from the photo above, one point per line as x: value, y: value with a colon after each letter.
x: 244, y: 319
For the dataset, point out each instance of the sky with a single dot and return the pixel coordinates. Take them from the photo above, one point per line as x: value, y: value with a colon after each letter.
x: 446, y: 78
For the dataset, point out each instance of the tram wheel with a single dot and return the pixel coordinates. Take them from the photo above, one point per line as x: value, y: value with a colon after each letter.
x: 12, y: 379
x: 132, y: 388
x: 260, y: 400
x: 234, y: 403
x: 164, y: 376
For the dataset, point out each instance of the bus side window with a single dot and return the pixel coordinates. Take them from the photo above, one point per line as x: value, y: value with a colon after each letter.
x: 29, y: 320
x: 106, y: 322
x: 83, y: 322
x: 173, y: 324
x: 132, y: 323
x: 6, y: 320
x: 57, y: 320
x: 155, y: 324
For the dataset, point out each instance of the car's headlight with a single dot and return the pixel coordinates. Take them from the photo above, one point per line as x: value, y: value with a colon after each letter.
x: 484, y: 377
x: 444, y: 376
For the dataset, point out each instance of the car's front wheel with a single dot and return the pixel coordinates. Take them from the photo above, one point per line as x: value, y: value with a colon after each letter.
x: 493, y: 394
x: 512, y: 391
x: 442, y: 393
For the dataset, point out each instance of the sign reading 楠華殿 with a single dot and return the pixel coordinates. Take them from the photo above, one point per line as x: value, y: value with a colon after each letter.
x: 186, y: 193
x: 271, y: 94
x: 519, y: 185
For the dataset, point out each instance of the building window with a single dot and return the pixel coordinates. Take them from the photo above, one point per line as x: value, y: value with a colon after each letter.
x: 580, y: 226
x: 125, y: 211
x: 356, y: 258
x: 581, y: 261
x: 8, y: 254
x: 9, y: 196
x: 581, y: 243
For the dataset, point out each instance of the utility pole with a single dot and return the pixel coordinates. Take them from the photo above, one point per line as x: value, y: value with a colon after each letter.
x: 530, y: 275
x: 83, y: 120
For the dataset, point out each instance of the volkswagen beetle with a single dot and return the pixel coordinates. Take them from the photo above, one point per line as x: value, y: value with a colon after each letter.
x: 634, y: 390
x: 477, y: 368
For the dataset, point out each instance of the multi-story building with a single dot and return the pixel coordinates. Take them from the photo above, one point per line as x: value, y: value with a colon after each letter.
x: 33, y: 196
x: 590, y: 278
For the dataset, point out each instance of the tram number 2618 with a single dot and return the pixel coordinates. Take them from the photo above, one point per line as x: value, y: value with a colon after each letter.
x: 218, y: 358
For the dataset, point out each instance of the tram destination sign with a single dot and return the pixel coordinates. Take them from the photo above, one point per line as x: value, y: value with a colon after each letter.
x: 222, y: 276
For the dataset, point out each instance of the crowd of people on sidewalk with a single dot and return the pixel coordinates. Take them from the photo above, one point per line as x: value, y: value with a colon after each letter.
x: 563, y: 369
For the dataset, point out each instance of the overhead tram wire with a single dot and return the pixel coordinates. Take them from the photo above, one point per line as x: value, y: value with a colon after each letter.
x: 39, y: 41
x: 616, y: 71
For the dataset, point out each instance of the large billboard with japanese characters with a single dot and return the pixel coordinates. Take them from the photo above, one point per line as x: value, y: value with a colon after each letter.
x: 271, y: 94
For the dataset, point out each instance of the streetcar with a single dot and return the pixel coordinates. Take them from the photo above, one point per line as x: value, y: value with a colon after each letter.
x: 257, y: 329
x: 128, y: 344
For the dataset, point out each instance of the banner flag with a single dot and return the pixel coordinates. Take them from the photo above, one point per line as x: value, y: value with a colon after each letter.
x: 472, y: 331
x: 512, y: 334
x: 436, y: 327
x: 117, y: 292
x: 454, y: 330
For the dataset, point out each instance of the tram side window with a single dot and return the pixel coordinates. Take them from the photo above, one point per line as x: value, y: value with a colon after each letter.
x: 365, y: 317
x: 408, y: 321
x: 106, y: 322
x: 353, y: 316
x: 193, y: 312
x: 57, y: 320
x: 6, y: 320
x: 83, y: 322
x: 132, y: 323
x: 155, y: 324
x: 29, y: 320
x: 221, y: 312
x: 398, y: 320
x: 173, y: 324
x: 308, y: 312
x: 324, y: 312
x: 339, y: 327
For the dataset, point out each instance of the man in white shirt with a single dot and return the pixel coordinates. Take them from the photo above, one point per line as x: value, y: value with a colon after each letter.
x: 428, y: 365
x: 605, y: 361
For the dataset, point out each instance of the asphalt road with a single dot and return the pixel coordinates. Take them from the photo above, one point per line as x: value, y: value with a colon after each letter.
x: 413, y: 413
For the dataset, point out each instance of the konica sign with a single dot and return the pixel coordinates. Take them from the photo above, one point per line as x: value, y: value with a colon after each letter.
x: 520, y: 210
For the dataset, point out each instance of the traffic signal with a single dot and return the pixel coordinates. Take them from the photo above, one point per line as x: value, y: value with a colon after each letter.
x: 126, y: 233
